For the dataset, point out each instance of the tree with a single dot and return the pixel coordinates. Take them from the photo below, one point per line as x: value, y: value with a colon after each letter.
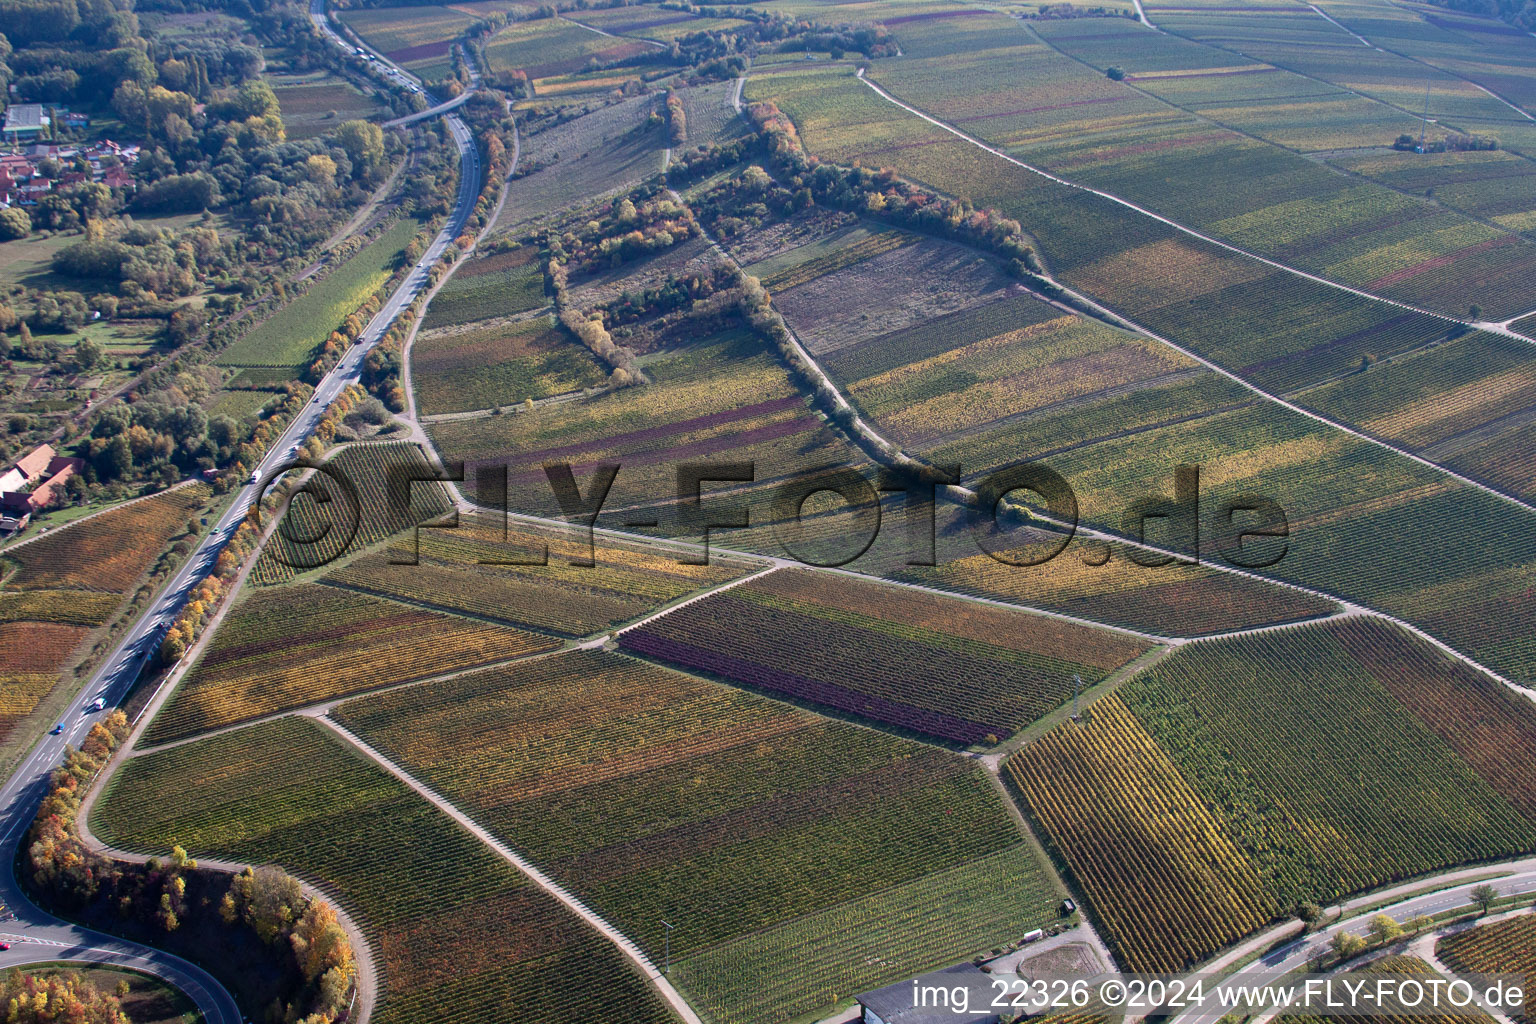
x: 276, y: 901
x: 320, y: 169
x: 32, y: 999
x: 87, y: 354
x: 1474, y: 312
x: 1484, y: 896
x: 1346, y: 945
x: 1308, y: 914
x: 14, y: 223
x: 1384, y: 929
x: 320, y: 943
x: 116, y: 459
x: 364, y: 145
x: 1115, y: 73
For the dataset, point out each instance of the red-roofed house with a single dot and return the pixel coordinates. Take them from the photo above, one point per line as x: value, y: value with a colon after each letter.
x: 41, y: 464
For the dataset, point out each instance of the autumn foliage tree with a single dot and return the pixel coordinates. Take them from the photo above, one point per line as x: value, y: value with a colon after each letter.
x: 156, y: 896
x: 57, y: 998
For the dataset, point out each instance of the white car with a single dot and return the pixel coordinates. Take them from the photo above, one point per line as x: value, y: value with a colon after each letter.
x: 255, y: 475
x: 97, y: 705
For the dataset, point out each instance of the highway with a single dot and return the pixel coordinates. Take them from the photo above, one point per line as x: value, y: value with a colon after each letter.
x: 391, y: 71
x: 34, y: 931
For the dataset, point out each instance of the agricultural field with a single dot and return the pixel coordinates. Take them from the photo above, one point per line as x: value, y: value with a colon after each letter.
x: 654, y: 23
x: 581, y: 162
x: 835, y: 642
x: 720, y: 397
x: 239, y: 403
x: 362, y: 499
x: 57, y: 590
x: 1287, y: 331
x: 1294, y: 797
x: 1506, y: 947
x: 692, y: 258
x: 288, y: 337
x: 409, y: 34
x: 287, y: 647
x: 458, y: 934
x: 1495, y: 185
x: 488, y: 365
x: 1360, y: 519
x: 528, y: 578
x: 786, y: 695
x: 490, y: 285
x: 957, y: 378
x: 315, y: 103
x: 710, y: 117
x: 1162, y: 878
x: 108, y: 552
x: 897, y: 288
x: 845, y: 949
x: 730, y: 821
x: 1110, y: 136
x: 545, y: 47
x: 421, y: 38
x: 1464, y: 404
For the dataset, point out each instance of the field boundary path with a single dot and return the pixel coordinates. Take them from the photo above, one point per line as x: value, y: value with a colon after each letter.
x: 365, y: 983
x: 1191, y: 232
x: 660, y: 981
x: 1207, y: 363
x: 887, y: 449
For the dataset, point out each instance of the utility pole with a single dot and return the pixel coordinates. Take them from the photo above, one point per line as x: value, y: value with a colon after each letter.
x: 667, y: 949
x: 1424, y: 121
x: 1077, y: 689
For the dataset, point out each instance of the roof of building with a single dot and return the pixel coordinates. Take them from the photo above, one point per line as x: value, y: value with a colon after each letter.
x: 35, y: 463
x: 24, y: 117
x: 895, y: 1004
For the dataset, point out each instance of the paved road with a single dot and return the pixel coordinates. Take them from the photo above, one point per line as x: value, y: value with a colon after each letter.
x: 1274, y: 965
x: 23, y: 791
x: 393, y: 72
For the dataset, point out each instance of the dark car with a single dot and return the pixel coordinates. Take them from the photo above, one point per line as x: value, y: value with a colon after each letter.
x: 56, y: 729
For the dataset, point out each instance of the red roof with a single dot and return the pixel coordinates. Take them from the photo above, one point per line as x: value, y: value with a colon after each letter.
x: 35, y: 463
x: 59, y: 468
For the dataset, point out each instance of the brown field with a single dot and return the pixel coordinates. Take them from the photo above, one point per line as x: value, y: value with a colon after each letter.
x: 107, y: 552
x: 888, y: 292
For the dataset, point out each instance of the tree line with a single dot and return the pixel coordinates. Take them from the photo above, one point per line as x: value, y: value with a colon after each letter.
x: 261, y: 915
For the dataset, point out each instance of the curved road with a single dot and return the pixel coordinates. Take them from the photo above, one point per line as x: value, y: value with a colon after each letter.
x: 1274, y: 965
x: 36, y: 935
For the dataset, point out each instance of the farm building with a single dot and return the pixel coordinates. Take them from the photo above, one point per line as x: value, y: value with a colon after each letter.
x: 963, y: 992
x: 42, y: 469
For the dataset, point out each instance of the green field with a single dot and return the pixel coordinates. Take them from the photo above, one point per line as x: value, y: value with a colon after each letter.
x: 498, y: 364
x: 290, y: 336
x: 500, y: 284
x: 654, y: 795
x: 1303, y: 764
x: 457, y: 933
